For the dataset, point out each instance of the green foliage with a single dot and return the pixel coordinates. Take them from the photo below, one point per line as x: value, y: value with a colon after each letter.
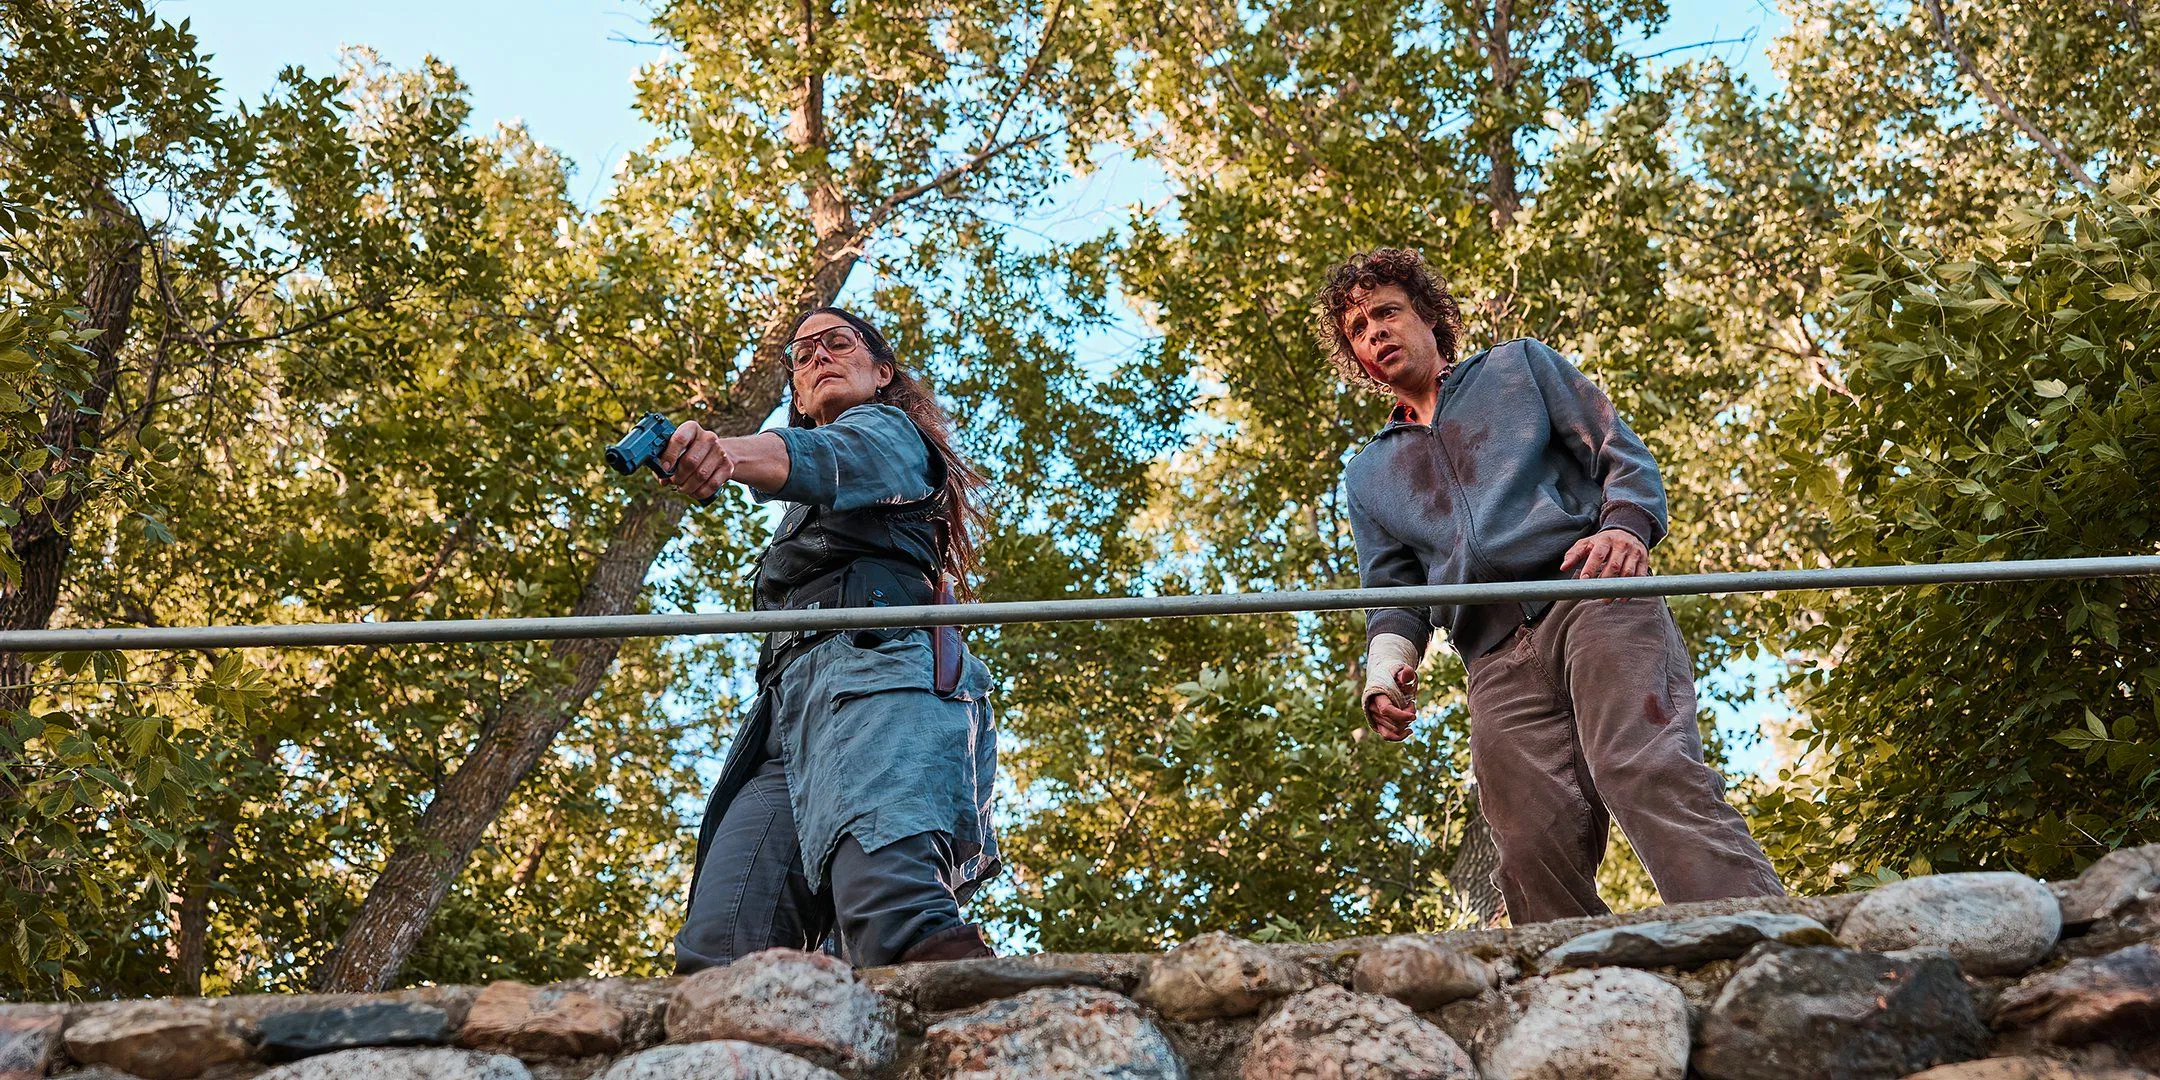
x: 2003, y: 404
x: 373, y: 351
x: 1285, y: 822
x: 1299, y: 133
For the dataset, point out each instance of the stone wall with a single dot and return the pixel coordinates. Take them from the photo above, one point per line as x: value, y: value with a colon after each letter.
x: 1956, y: 977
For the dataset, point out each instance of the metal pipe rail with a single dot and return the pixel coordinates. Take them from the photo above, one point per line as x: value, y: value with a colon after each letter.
x: 1041, y: 611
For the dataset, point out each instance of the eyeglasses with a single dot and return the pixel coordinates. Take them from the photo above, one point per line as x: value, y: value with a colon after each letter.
x: 838, y: 343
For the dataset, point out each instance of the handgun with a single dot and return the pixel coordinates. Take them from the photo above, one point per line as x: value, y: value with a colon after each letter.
x: 642, y: 446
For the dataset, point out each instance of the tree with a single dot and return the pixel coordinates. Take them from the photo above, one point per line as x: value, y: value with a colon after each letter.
x: 187, y: 239
x: 789, y: 147
x: 2002, y: 399
x: 1539, y: 166
x: 1972, y: 115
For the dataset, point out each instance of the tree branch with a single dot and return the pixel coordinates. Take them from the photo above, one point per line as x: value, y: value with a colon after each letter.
x: 1042, y: 48
x: 982, y: 157
x: 1971, y: 68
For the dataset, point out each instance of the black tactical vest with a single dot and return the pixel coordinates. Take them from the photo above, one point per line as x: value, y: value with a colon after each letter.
x: 817, y: 544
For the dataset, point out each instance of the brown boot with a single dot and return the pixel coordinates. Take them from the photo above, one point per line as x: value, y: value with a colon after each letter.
x: 962, y: 942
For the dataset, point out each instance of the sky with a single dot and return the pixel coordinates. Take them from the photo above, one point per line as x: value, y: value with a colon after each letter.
x: 565, y: 68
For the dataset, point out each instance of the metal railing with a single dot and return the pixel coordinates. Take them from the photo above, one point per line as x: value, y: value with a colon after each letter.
x: 1069, y: 610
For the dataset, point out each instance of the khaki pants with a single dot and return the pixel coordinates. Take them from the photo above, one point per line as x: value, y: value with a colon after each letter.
x: 1590, y: 711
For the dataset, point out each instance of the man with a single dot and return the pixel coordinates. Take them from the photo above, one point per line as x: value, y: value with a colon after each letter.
x: 1511, y: 465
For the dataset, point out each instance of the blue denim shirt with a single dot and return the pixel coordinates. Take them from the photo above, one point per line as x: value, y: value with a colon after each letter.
x: 869, y: 454
x: 1523, y: 457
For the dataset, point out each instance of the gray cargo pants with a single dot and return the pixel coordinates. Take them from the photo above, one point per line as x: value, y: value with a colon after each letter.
x: 753, y: 895
x: 1590, y: 712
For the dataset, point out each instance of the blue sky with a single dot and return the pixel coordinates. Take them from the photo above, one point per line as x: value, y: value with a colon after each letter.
x: 564, y: 67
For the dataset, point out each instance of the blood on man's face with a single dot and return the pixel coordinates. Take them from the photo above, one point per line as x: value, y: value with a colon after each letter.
x: 1391, y: 341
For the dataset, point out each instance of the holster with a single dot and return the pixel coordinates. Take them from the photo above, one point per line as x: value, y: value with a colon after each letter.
x: 946, y: 648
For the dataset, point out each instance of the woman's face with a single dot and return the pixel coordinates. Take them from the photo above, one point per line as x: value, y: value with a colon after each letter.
x: 832, y: 368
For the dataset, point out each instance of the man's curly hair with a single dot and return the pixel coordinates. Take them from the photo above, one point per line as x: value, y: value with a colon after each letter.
x: 1363, y: 273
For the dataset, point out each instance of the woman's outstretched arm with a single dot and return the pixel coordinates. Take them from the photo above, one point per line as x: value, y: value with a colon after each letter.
x: 869, y: 454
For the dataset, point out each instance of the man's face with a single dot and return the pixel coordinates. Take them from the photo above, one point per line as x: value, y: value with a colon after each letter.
x: 1390, y: 340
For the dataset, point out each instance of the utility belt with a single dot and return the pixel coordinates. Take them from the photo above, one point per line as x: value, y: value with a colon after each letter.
x: 862, y: 583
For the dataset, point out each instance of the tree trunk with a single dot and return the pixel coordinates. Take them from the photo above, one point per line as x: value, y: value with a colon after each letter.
x: 42, y: 539
x: 1470, y: 873
x: 419, y: 873
x: 191, y: 923
x: 1500, y: 190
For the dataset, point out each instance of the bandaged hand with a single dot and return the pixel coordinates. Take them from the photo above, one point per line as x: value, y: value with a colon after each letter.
x: 1390, y: 693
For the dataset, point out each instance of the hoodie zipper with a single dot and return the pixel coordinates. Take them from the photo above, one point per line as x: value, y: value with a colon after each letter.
x: 1458, y: 495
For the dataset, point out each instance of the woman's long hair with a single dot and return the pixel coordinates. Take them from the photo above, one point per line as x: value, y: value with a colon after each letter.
x: 907, y: 393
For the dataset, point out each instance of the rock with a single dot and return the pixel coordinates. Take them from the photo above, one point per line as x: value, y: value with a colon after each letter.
x: 1332, y: 1034
x: 156, y: 1040
x: 286, y: 1036
x: 536, y: 1023
x: 1063, y: 1033
x: 1995, y: 924
x: 805, y: 1003
x: 1477, y: 1024
x: 963, y: 984
x: 2088, y: 999
x: 1420, y: 974
x: 99, y: 1072
x: 1217, y: 975
x: 1700, y: 986
x: 1603, y: 1023
x: 643, y: 1003
x: 719, y: 1060
x: 1683, y: 942
x: 1816, y: 1011
x: 2027, y: 1068
x: 402, y: 1064
x: 2134, y: 922
x: 27, y: 1044
x: 1210, y: 1049
x: 2110, y: 884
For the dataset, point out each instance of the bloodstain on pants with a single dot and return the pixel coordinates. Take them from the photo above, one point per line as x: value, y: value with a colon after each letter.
x: 1584, y: 717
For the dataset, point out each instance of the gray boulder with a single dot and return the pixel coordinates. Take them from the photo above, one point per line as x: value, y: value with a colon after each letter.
x: 1816, y: 1011
x: 2088, y: 999
x: 537, y: 1022
x: 1993, y: 923
x: 156, y: 1040
x: 403, y: 1064
x: 2109, y: 885
x: 27, y: 1044
x: 1062, y: 1033
x: 1332, y: 1034
x: 717, y: 1060
x: 805, y: 1003
x: 1683, y: 942
x: 1217, y: 975
x: 1420, y: 973
x: 1599, y: 1024
x: 286, y: 1036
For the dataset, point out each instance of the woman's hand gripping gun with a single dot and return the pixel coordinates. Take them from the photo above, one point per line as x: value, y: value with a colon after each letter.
x: 641, y: 449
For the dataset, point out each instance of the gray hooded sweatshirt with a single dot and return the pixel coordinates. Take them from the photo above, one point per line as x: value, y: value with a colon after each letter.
x: 1523, y: 457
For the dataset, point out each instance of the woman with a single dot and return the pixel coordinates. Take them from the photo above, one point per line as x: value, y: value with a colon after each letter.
x: 856, y: 799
